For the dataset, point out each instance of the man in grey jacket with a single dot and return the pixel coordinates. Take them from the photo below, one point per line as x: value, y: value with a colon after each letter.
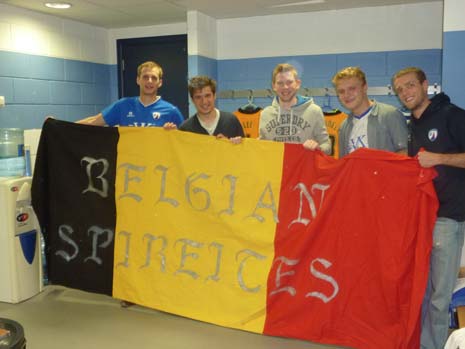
x: 293, y: 118
x: 370, y: 124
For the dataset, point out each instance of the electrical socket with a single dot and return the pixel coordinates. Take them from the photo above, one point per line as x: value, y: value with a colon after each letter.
x: 2, y: 101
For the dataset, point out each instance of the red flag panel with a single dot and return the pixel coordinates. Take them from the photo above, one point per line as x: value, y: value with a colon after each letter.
x: 351, y: 249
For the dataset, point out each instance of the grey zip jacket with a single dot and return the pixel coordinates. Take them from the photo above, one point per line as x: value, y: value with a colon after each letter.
x: 305, y: 120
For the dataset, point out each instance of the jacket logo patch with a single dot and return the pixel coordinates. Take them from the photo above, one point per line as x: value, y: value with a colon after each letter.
x: 433, y: 134
x: 156, y: 115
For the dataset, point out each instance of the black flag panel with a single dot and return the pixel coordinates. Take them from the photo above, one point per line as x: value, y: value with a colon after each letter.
x: 73, y: 185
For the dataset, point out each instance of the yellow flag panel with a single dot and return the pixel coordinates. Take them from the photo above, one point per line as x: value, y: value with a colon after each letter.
x: 195, y: 232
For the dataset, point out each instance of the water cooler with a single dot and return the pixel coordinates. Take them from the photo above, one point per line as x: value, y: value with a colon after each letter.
x: 20, y: 250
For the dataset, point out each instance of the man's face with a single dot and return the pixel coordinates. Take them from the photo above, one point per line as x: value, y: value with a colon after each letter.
x: 149, y: 81
x: 352, y: 93
x: 411, y: 92
x: 286, y: 86
x: 204, y: 100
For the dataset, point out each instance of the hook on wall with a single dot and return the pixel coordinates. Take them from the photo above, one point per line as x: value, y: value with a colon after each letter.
x: 390, y: 91
x: 250, y: 94
x: 250, y: 98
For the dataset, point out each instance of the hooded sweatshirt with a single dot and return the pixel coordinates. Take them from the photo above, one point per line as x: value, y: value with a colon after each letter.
x: 303, y: 121
x: 441, y: 129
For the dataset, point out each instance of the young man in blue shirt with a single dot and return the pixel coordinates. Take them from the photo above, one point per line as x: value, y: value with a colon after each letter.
x: 146, y: 110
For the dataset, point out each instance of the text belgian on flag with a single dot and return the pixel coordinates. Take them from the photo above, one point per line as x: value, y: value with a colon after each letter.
x: 262, y: 236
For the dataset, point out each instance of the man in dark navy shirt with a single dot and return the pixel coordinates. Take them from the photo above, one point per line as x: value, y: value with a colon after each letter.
x: 208, y: 120
x: 437, y: 136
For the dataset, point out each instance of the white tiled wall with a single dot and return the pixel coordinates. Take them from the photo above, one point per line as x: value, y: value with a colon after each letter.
x: 35, y: 33
x: 369, y: 29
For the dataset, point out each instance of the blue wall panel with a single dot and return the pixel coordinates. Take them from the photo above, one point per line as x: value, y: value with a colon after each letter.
x: 28, y: 91
x: 113, y: 73
x: 193, y: 65
x: 208, y: 66
x: 79, y: 71
x: 41, y: 112
x: 37, y: 86
x: 94, y: 94
x: 75, y: 112
x: 316, y: 71
x: 258, y: 69
x: 454, y: 67
x: 28, y: 116
x: 6, y: 88
x: 65, y: 93
x: 101, y: 73
x: 372, y: 63
x: 319, y: 66
x: 427, y: 59
x: 15, y: 116
x: 13, y: 64
x: 200, y: 65
x: 45, y: 68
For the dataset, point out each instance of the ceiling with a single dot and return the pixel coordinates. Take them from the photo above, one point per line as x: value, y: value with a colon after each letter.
x: 133, y: 13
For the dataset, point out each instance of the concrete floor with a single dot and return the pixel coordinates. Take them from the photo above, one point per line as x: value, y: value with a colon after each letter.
x: 63, y: 318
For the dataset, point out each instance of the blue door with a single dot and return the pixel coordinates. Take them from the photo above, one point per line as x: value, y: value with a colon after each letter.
x: 168, y: 51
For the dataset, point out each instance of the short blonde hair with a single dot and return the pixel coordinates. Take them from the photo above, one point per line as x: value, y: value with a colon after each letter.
x: 150, y: 65
x: 349, y: 72
x: 420, y: 74
x: 283, y: 68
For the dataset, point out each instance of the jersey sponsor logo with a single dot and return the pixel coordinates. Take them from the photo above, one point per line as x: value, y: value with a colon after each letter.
x: 433, y: 134
x: 156, y: 115
x: 130, y: 115
x: 143, y: 124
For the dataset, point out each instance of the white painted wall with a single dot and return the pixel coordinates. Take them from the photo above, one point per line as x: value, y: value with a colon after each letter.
x: 454, y: 11
x: 202, y: 35
x: 354, y: 30
x: 371, y: 29
x: 35, y: 33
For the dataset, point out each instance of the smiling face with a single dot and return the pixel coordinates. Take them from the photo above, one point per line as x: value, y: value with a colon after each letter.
x: 149, y: 81
x: 286, y: 85
x: 352, y: 93
x: 204, y: 100
x: 412, y: 93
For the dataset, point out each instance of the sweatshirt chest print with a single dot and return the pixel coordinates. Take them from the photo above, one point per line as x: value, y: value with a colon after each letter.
x: 287, y: 125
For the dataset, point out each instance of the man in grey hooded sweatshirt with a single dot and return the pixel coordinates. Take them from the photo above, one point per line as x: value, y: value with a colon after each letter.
x: 293, y: 118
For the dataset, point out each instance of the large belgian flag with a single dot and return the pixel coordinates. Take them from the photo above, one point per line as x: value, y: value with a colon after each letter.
x: 261, y: 236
